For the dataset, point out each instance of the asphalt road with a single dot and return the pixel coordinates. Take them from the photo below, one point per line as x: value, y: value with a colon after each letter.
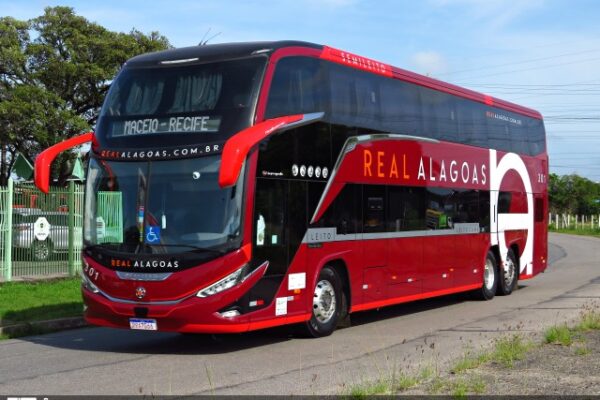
x: 393, y: 340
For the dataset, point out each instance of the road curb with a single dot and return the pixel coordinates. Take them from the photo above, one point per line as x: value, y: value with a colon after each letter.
x: 29, y: 328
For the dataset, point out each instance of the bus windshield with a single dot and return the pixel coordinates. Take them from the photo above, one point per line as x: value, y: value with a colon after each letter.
x: 197, y: 101
x: 161, y: 207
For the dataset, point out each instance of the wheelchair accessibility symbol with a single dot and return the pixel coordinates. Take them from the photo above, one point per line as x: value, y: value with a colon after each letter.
x: 152, y: 234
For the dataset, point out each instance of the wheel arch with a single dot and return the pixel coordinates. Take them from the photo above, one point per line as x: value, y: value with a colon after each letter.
x: 496, y: 250
x: 340, y: 267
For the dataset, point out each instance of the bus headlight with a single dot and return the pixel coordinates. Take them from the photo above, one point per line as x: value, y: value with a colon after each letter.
x: 229, y: 281
x: 89, y: 285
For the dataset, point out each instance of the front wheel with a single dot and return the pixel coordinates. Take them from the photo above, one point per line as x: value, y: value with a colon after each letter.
x: 509, y: 275
x: 327, y: 304
x: 490, y: 278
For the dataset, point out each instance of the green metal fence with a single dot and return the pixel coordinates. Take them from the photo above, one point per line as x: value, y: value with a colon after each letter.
x: 41, y: 234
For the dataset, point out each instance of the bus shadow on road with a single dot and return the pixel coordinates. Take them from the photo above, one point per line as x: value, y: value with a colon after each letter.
x: 151, y: 343
x: 400, y: 310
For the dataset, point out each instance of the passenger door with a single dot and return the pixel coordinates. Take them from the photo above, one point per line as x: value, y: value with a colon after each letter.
x: 439, y: 243
x: 375, y: 246
x: 406, y: 222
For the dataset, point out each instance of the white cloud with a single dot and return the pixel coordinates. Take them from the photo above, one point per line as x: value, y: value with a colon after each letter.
x: 429, y: 63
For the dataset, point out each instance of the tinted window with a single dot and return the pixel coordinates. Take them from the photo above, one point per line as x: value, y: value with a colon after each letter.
x: 297, y: 87
x: 439, y: 115
x: 367, y: 100
x: 406, y: 208
x: 297, y: 215
x: 374, y: 208
x: 363, y: 100
x: 519, y: 142
x: 539, y: 209
x: 308, y: 145
x: 536, y: 136
x: 464, y: 206
x: 344, y: 213
x: 504, y: 199
x: 197, y: 103
x: 400, y: 107
x: 342, y: 89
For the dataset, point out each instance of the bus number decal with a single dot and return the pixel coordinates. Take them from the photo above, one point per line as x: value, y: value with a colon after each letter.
x: 91, y: 272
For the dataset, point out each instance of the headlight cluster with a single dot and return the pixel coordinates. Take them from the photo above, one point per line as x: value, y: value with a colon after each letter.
x: 85, y: 280
x: 89, y: 285
x: 229, y: 281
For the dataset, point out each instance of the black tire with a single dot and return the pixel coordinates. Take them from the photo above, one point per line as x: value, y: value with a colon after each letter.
x: 327, y: 304
x: 489, y: 287
x: 344, y: 321
x: 509, y: 275
x: 41, y: 250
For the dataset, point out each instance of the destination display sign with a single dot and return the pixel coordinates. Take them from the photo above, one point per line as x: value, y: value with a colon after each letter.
x: 182, y: 124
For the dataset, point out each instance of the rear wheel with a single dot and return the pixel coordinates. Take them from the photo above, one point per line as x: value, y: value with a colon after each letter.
x: 327, y: 304
x: 41, y: 250
x: 490, y: 278
x: 509, y: 275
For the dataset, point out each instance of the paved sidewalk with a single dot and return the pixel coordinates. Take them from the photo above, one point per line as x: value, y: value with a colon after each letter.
x: 35, y: 327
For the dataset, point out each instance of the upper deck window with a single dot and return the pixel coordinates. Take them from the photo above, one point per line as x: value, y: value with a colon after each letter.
x: 212, y: 98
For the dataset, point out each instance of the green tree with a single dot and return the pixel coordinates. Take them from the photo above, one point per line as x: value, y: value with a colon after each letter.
x: 573, y: 194
x: 52, y: 86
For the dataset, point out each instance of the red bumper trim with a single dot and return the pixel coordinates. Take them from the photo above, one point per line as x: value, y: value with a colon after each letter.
x: 244, y: 327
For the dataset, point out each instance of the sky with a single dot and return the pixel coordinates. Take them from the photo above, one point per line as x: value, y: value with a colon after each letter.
x: 542, y: 54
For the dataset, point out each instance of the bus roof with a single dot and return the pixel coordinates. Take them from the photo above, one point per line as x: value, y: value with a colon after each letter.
x: 217, y: 51
x: 214, y: 52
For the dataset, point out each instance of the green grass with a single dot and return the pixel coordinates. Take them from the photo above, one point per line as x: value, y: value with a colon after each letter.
x: 462, y: 387
x: 579, y: 231
x: 560, y: 334
x: 38, y: 301
x: 582, y: 350
x: 364, y: 391
x: 510, y: 349
x: 589, y: 321
x: 405, y: 382
x: 506, y: 352
x: 469, y: 361
x: 427, y: 372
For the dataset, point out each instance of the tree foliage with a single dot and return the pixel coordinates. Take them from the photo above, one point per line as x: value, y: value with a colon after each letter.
x: 54, y: 73
x: 573, y: 194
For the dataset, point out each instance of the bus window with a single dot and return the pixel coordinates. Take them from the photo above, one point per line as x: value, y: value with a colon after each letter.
x: 374, y: 208
x: 297, y: 87
x: 400, y: 107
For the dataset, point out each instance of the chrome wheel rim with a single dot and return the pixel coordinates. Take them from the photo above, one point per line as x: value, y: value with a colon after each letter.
x: 509, y: 272
x: 489, y: 274
x: 324, y: 302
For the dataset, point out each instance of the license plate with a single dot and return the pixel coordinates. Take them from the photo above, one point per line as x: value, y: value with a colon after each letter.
x: 143, y: 324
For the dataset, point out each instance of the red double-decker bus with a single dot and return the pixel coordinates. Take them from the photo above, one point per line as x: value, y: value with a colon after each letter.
x: 235, y: 187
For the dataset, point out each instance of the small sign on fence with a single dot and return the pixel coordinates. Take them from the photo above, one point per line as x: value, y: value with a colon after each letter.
x: 41, y: 229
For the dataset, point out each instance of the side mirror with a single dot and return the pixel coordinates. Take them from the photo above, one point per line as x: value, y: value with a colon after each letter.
x: 44, y: 160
